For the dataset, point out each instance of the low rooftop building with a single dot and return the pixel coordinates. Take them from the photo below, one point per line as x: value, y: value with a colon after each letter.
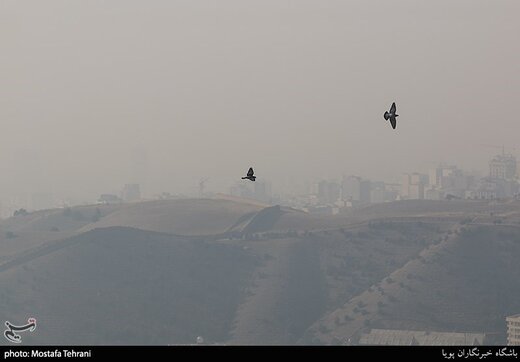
x: 396, y: 337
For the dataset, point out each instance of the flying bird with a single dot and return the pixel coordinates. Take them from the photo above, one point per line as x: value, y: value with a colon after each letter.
x: 250, y: 175
x: 392, y: 116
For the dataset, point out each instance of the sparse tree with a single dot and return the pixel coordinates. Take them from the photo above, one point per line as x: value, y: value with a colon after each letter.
x: 20, y: 212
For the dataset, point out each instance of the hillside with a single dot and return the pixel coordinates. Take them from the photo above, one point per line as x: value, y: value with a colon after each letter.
x: 235, y: 272
x: 466, y: 282
x: 182, y: 217
x: 188, y: 217
x: 64, y: 219
x: 126, y: 286
x: 302, y: 278
x: 24, y: 232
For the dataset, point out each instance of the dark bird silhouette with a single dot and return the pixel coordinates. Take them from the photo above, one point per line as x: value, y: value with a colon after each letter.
x: 392, y: 116
x: 250, y: 175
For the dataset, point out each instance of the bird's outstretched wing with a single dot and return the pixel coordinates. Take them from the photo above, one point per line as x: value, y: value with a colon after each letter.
x: 393, y: 121
x: 250, y: 172
x: 393, y: 108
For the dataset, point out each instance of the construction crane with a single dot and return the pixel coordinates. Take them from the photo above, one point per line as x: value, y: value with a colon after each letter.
x: 202, y: 185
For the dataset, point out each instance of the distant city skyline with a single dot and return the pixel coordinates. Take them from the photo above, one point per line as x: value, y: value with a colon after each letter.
x: 96, y: 94
x: 281, y: 191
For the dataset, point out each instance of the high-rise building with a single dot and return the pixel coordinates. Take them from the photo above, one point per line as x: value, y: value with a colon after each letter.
x: 416, y: 191
x: 354, y: 188
x: 513, y: 330
x: 435, y: 175
x: 503, y: 166
x: 382, y: 192
x: 378, y: 195
x: 364, y: 191
x: 328, y: 191
x: 447, y: 180
x: 334, y: 192
x: 413, y: 186
x: 418, y: 178
x: 351, y: 188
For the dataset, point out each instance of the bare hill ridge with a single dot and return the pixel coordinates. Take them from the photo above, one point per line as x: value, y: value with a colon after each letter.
x: 468, y: 282
x: 245, y: 273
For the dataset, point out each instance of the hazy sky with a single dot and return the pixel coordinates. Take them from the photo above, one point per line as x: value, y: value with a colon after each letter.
x: 92, y: 92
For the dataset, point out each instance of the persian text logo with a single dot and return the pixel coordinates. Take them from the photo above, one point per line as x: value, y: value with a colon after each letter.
x: 10, y: 333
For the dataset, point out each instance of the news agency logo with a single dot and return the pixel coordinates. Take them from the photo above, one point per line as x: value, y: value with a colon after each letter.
x: 10, y: 333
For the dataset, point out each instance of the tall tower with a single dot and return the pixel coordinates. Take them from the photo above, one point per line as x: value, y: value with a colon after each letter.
x: 139, y: 168
x: 202, y: 185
